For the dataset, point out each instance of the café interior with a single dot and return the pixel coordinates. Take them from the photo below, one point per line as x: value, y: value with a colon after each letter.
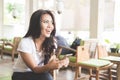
x: 94, y: 23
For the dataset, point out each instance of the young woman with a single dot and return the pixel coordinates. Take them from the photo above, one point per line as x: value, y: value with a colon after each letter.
x: 36, y: 49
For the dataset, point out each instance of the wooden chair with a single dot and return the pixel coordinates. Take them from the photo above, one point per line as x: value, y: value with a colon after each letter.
x: 58, y: 52
x: 103, y: 54
x: 1, y: 45
x: 90, y: 44
x: 11, y: 47
x: 54, y: 72
x: 2, y: 41
x: 71, y: 58
x: 83, y: 60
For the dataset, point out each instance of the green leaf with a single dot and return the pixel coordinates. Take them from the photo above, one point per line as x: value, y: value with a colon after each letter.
x: 107, y: 41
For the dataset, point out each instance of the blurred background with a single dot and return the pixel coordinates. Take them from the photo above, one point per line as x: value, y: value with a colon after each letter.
x: 86, y: 19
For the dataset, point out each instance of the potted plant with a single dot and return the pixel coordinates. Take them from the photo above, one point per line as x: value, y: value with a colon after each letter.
x: 114, y: 47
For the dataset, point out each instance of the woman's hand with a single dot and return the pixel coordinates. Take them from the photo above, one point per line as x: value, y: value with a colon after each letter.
x: 64, y: 62
x: 54, y: 64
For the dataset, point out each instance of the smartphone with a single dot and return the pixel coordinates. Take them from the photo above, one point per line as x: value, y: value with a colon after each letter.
x: 67, y: 55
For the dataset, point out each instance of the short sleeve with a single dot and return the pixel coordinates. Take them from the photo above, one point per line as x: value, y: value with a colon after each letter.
x: 26, y: 45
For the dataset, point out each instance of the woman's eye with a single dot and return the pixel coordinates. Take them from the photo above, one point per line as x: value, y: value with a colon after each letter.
x: 47, y: 21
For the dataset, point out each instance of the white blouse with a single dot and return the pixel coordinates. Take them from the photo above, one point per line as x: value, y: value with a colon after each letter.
x: 28, y: 47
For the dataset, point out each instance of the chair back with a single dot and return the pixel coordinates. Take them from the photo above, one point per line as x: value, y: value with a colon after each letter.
x: 102, y: 52
x: 16, y: 42
x: 82, y: 54
x: 92, y: 47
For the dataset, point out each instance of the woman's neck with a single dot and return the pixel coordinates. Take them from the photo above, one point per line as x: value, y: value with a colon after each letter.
x: 38, y: 43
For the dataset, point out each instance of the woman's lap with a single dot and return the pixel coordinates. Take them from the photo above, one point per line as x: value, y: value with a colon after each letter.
x: 31, y: 76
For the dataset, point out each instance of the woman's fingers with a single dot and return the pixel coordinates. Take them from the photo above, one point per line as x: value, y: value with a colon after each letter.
x: 55, y: 63
x: 65, y: 62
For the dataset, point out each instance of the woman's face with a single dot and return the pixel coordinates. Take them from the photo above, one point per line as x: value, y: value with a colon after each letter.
x: 46, y: 25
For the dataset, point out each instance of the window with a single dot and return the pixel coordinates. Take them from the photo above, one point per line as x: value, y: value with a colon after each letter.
x: 76, y: 16
x: 109, y: 10
x: 111, y: 21
x: 14, y: 12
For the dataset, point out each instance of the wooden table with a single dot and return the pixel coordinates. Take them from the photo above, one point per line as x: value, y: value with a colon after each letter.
x: 114, y: 54
x: 118, y: 71
x: 115, y: 60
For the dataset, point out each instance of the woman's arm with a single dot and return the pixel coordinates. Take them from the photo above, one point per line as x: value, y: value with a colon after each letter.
x: 30, y: 62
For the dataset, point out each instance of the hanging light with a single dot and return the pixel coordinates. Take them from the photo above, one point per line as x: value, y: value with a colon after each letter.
x: 14, y: 13
x: 60, y: 6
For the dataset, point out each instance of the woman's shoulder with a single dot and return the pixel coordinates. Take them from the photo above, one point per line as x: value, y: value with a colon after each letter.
x: 27, y: 40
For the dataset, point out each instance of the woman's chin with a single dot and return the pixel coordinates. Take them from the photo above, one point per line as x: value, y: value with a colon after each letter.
x: 47, y: 36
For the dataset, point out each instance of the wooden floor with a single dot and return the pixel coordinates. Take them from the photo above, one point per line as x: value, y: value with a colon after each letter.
x: 6, y: 70
x: 63, y: 74
x: 69, y: 74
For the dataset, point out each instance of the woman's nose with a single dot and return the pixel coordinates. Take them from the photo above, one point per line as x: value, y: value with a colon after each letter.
x: 50, y: 24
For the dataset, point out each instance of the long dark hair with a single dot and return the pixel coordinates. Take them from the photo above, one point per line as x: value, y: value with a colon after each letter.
x: 35, y: 30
